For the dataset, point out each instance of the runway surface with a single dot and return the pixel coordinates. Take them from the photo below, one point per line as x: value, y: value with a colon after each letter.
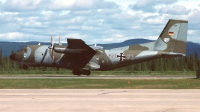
x: 97, y: 77
x: 99, y: 100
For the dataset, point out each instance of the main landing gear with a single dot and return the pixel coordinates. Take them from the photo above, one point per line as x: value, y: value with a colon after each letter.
x: 79, y: 72
x: 25, y: 67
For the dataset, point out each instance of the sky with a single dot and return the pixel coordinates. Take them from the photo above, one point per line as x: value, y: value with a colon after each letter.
x: 94, y: 21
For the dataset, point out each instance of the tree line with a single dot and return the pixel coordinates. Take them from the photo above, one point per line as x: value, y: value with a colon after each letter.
x: 188, y: 63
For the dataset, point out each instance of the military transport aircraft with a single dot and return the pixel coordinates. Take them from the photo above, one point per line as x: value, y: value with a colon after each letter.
x: 81, y: 58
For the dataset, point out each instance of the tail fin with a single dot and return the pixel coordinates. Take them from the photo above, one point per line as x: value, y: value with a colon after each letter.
x: 173, y: 37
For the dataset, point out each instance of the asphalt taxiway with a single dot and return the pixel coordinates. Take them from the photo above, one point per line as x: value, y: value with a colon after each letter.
x: 99, y: 100
x: 99, y: 77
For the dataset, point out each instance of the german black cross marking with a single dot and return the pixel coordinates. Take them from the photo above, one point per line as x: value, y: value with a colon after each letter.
x: 121, y: 56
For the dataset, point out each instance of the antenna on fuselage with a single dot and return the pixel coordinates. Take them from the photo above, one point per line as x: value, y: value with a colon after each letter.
x: 97, y: 48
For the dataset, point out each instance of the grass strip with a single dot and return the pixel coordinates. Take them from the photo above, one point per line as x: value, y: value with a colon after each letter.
x: 99, y: 84
x: 96, y: 73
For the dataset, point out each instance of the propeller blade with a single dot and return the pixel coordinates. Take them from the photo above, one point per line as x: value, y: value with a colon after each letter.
x: 60, y: 44
x: 52, y: 42
x: 52, y: 48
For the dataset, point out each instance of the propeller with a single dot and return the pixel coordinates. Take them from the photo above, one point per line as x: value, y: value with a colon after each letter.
x: 52, y: 46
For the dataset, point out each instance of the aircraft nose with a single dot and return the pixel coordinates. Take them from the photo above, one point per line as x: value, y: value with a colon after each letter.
x: 12, y: 57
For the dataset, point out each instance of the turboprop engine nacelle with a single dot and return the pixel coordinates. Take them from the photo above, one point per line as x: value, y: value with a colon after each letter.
x: 67, y: 50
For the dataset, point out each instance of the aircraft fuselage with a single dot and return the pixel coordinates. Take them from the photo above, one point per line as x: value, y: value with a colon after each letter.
x: 82, y: 58
x: 38, y: 55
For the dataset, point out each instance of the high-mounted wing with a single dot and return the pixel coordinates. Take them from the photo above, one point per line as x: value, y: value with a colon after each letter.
x: 77, y: 54
x: 74, y: 46
x: 77, y: 44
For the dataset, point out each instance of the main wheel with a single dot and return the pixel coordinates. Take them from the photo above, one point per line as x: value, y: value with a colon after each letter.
x: 25, y: 67
x: 86, y: 72
x: 76, y: 72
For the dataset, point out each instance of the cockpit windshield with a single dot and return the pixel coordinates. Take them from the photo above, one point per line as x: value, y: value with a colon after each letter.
x: 23, y: 50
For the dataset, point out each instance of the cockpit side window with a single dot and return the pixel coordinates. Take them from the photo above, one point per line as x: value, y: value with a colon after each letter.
x: 22, y: 50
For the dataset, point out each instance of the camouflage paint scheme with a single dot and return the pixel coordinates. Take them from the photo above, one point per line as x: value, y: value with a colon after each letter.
x: 82, y: 58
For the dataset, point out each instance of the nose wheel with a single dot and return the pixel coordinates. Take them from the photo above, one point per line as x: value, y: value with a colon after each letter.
x: 79, y: 72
